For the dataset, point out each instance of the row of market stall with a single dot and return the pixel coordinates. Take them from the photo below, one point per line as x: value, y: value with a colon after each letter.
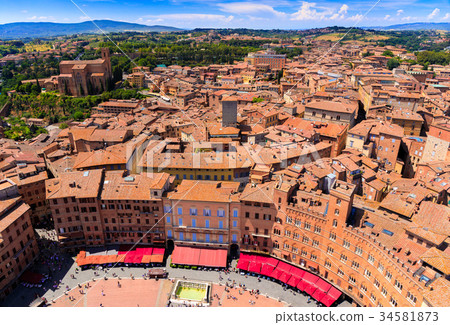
x: 293, y: 276
x: 145, y: 255
x: 193, y: 256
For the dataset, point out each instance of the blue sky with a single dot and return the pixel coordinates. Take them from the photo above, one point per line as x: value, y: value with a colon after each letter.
x: 231, y: 14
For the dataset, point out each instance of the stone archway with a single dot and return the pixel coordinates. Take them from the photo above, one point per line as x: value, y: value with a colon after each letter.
x: 170, y: 247
x: 234, y: 251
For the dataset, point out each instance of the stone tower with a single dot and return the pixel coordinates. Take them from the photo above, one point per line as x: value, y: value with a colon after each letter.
x: 107, y: 58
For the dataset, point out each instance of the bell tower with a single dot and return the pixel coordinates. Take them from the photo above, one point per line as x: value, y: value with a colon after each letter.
x: 340, y: 203
x: 105, y: 53
x: 107, y: 63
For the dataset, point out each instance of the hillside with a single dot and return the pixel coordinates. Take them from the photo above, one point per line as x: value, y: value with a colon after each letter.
x: 44, y: 29
x: 415, y: 26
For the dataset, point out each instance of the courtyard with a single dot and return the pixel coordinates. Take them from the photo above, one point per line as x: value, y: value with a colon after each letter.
x: 67, y: 287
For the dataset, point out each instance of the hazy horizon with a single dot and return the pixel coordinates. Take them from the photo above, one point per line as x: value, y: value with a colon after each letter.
x: 264, y: 14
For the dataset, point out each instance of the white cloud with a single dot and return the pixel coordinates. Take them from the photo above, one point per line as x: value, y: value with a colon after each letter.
x: 434, y: 13
x: 154, y: 21
x: 335, y: 16
x: 341, y: 13
x: 408, y: 18
x: 249, y: 8
x: 356, y: 17
x: 42, y: 18
x: 308, y: 12
x: 447, y: 16
x: 343, y: 9
x: 387, y: 17
x: 399, y: 12
x: 24, y: 11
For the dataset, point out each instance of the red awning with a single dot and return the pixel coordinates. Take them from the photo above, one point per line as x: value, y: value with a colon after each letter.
x: 158, y: 251
x: 277, y: 273
x: 145, y: 251
x: 244, y: 257
x: 284, y: 267
x: 193, y: 257
x: 254, y: 267
x: 244, y: 260
x: 103, y: 259
x: 181, y: 255
x: 301, y: 285
x: 120, y: 258
x: 309, y: 289
x: 137, y: 259
x: 263, y: 259
x: 327, y: 300
x: 299, y: 273
x: 129, y: 258
x: 146, y: 259
x: 273, y: 261
x: 333, y: 292
x: 81, y: 261
x: 206, y: 257
x: 267, y: 269
x: 332, y: 295
x: 285, y: 277
x: 293, y: 281
x: 318, y: 294
x: 213, y: 257
x: 157, y: 259
x: 323, y: 285
x: 243, y: 264
x: 310, y: 280
x: 220, y: 258
x: 199, y: 256
x: 176, y: 255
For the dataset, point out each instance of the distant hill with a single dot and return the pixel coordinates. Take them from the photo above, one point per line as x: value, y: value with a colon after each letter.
x: 415, y: 26
x: 44, y: 29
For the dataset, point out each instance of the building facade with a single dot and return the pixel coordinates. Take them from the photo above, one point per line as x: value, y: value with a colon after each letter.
x: 81, y: 78
x: 96, y: 208
x: 18, y: 246
x: 203, y: 213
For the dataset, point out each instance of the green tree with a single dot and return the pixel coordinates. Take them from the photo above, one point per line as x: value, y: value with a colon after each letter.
x: 257, y: 100
x: 117, y: 74
x: 78, y: 115
x: 279, y: 76
x: 392, y: 63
